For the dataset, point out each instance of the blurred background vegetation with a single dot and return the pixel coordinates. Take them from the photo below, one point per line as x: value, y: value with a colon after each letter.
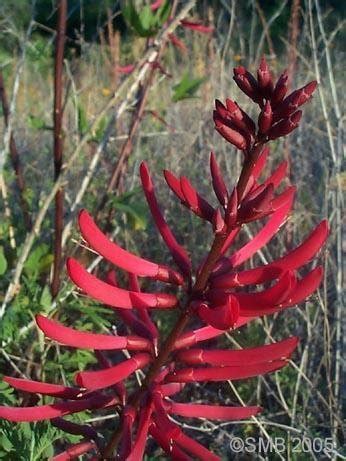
x: 176, y: 132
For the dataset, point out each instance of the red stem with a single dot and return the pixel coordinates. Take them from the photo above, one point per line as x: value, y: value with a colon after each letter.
x: 15, y: 157
x: 58, y: 141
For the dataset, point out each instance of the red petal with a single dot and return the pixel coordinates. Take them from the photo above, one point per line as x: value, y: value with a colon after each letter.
x: 74, y: 451
x: 291, y: 261
x: 197, y: 27
x: 101, y: 379
x: 113, y: 296
x: 167, y: 445
x: 120, y: 257
x: 269, y: 297
x: 304, y: 288
x: 40, y: 413
x: 38, y: 387
x: 203, y: 334
x: 186, y: 375
x: 178, y: 252
x: 219, y: 185
x: 260, y: 163
x: 137, y: 451
x: 276, y: 351
x: 264, y: 235
x: 222, y: 317
x: 84, y: 340
x: 197, y: 203
x: 193, y: 410
x: 177, y: 43
x: 174, y: 184
x: 278, y: 175
x: 125, y: 69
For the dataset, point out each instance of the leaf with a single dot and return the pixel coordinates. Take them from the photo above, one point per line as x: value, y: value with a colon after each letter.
x: 36, y: 122
x: 82, y: 120
x: 145, y: 23
x: 3, y: 261
x: 38, y: 261
x: 186, y: 88
x: 46, y: 298
x: 163, y: 12
x: 135, y: 214
x: 146, y: 18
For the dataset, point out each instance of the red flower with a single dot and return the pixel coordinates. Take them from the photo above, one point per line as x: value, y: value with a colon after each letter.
x: 211, y: 290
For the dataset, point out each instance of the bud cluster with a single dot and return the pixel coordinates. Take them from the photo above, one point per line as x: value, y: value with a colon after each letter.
x: 279, y: 114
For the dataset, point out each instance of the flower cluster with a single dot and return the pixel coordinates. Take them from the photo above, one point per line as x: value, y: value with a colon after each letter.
x: 212, y: 292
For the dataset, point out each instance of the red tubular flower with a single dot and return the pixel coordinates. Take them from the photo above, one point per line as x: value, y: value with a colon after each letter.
x: 178, y: 252
x: 74, y: 451
x: 197, y: 27
x: 122, y: 258
x: 84, y: 340
x: 43, y: 412
x: 113, y: 296
x: 280, y: 350
x: 210, y: 292
x: 101, y: 379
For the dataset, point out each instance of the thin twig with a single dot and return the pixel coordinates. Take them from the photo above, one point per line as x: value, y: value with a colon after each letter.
x: 58, y: 142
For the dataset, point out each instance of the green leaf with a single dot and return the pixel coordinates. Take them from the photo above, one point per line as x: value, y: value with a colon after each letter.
x: 38, y: 261
x: 146, y: 18
x: 137, y: 217
x: 5, y: 443
x: 162, y: 13
x: 82, y: 120
x: 37, y: 123
x: 186, y: 88
x: 3, y: 261
x: 46, y: 298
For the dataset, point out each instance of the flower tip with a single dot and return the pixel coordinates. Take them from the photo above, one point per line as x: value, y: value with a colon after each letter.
x: 240, y: 70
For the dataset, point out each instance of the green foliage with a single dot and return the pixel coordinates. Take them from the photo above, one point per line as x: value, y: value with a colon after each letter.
x: 38, y: 261
x: 134, y: 209
x: 3, y: 261
x: 187, y: 87
x: 146, y: 23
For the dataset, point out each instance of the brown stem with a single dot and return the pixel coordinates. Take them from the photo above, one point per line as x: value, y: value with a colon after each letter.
x: 15, y: 160
x: 58, y: 142
x: 126, y: 149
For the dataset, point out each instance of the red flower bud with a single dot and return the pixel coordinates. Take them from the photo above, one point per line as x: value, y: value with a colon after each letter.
x: 286, y: 126
x: 247, y: 83
x: 219, y: 186
x: 264, y: 79
x: 231, y: 135
x: 265, y: 118
x: 280, y: 90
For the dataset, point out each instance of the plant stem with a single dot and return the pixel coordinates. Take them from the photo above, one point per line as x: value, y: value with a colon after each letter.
x: 58, y: 143
x: 15, y: 156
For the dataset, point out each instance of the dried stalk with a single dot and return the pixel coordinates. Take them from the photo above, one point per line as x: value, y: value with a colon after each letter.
x: 16, y: 163
x: 129, y: 87
x: 58, y: 142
